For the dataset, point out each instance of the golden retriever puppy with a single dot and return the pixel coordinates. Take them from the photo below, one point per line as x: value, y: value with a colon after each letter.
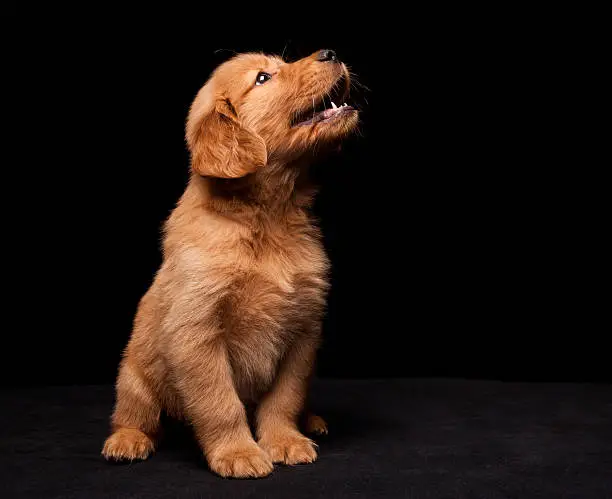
x: 233, y: 317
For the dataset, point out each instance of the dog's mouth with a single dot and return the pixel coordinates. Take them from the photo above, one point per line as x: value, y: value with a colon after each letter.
x: 311, y: 116
x: 325, y: 108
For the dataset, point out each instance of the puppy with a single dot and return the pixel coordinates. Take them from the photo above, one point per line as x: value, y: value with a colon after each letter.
x: 233, y: 316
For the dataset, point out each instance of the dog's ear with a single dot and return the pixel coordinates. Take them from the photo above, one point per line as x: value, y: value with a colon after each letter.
x: 220, y: 146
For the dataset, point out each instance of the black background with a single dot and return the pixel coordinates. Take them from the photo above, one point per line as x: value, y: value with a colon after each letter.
x: 456, y: 251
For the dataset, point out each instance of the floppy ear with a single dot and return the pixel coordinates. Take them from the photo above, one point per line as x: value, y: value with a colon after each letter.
x: 220, y: 146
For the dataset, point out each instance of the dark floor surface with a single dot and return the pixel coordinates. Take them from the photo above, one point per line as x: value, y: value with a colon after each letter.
x: 388, y: 438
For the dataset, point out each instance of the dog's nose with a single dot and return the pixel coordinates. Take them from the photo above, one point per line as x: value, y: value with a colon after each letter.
x: 327, y: 55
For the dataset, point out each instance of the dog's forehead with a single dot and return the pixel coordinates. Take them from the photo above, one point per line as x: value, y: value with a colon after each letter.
x: 239, y: 73
x: 244, y: 63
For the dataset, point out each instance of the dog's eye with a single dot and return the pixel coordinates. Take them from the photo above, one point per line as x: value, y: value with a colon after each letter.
x: 262, y: 78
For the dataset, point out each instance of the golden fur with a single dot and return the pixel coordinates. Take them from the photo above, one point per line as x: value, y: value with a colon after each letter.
x: 233, y: 316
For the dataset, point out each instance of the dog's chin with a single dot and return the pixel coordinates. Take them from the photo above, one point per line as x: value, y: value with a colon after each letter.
x: 336, y: 127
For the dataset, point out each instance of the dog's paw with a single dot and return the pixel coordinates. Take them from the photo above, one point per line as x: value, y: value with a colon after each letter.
x: 315, y: 424
x: 127, y: 444
x: 243, y: 462
x: 289, y: 448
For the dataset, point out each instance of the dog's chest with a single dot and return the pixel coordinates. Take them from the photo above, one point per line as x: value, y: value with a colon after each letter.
x: 272, y: 304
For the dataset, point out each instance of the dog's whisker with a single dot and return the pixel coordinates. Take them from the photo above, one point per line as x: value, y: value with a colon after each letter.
x: 357, y: 82
x: 362, y: 86
x: 228, y: 50
x: 286, y: 45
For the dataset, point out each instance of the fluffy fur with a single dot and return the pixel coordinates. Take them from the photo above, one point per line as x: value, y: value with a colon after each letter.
x: 233, y: 316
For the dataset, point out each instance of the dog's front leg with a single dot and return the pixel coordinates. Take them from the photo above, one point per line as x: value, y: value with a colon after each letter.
x: 216, y: 412
x: 278, y: 413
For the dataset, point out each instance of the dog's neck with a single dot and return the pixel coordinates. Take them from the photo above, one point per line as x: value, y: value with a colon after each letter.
x: 271, y: 193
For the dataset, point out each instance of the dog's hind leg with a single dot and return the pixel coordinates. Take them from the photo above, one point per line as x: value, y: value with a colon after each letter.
x: 315, y: 424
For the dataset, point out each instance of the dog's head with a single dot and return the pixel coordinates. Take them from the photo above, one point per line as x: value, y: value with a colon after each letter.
x: 257, y: 109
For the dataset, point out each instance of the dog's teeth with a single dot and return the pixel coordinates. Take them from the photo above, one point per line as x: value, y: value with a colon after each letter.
x: 334, y: 105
